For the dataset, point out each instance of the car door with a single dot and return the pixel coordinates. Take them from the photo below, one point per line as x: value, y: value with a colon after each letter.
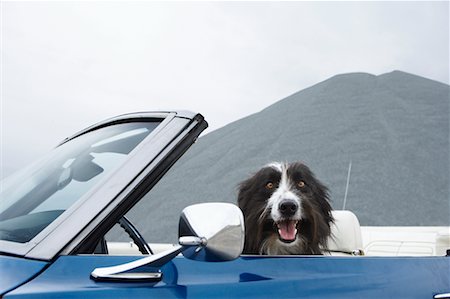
x: 249, y: 277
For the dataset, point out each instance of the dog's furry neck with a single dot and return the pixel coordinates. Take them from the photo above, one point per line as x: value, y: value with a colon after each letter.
x: 273, y: 246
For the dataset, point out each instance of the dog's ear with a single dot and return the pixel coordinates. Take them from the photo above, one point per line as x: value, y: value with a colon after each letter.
x: 252, y: 229
x: 243, y: 191
x: 324, y: 221
x: 324, y: 199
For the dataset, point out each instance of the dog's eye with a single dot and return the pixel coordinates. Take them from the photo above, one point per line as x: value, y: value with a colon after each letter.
x: 269, y: 185
x: 301, y: 184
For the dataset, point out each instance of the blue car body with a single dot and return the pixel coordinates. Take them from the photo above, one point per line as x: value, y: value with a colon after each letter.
x: 246, y: 277
x: 58, y: 260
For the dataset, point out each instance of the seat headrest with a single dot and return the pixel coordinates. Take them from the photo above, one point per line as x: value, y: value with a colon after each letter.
x: 345, y: 233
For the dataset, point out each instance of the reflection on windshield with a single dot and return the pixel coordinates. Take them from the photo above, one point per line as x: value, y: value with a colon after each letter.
x: 33, y: 198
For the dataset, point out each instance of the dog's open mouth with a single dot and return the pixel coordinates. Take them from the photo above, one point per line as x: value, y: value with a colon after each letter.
x: 287, y: 230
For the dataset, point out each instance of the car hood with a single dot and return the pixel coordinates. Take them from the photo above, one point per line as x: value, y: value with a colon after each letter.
x: 16, y: 271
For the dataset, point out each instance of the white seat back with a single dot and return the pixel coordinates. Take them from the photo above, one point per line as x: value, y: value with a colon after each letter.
x: 346, y: 237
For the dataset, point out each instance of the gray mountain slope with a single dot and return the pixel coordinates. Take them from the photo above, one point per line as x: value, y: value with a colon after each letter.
x: 392, y: 128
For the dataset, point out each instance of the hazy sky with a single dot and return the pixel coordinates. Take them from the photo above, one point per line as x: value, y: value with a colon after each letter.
x: 67, y: 65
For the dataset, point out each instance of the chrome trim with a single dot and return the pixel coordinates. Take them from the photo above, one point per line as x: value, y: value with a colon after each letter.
x: 442, y: 296
x: 218, y: 227
x: 193, y: 241
x: 120, y: 272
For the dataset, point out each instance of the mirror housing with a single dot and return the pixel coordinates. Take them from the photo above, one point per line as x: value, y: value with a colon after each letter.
x: 220, y: 228
x: 207, y: 232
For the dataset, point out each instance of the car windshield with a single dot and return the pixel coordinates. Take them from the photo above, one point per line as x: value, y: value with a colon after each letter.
x: 34, y: 197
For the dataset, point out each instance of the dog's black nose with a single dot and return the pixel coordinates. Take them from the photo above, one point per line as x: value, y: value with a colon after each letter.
x: 287, y: 207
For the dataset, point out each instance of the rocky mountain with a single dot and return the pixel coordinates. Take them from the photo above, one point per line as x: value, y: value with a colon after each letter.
x: 389, y: 133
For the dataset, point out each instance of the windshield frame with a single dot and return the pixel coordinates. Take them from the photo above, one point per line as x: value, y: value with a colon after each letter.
x: 52, y: 239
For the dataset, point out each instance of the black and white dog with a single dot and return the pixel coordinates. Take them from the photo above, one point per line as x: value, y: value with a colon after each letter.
x: 286, y: 211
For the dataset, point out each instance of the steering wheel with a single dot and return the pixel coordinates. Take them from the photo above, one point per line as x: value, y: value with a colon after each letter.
x: 134, y: 234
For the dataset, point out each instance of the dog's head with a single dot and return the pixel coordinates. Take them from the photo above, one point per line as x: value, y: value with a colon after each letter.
x: 286, y: 210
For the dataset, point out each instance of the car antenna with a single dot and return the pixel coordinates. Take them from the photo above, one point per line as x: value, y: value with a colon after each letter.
x: 348, y: 182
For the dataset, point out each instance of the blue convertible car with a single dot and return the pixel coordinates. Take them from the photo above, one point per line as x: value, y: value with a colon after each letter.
x: 55, y: 217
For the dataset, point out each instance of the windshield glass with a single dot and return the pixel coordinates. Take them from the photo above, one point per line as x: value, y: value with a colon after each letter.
x: 33, y: 198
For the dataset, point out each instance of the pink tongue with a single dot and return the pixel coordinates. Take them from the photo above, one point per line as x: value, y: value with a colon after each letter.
x: 287, y: 230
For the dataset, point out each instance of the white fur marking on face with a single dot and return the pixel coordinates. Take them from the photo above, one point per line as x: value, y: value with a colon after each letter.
x: 284, y: 191
x: 276, y: 165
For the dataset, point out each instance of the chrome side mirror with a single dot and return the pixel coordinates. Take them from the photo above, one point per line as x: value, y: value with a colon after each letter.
x: 218, y: 226
x: 207, y: 232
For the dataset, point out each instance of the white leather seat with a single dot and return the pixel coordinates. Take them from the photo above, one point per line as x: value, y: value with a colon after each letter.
x: 346, y: 237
